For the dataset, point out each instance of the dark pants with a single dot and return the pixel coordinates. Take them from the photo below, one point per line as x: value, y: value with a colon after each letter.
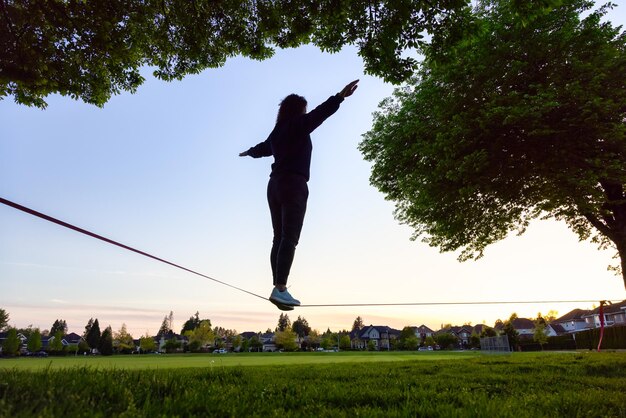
x: 287, y: 197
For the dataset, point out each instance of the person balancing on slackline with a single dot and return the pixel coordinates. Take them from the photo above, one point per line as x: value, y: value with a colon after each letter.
x: 287, y: 191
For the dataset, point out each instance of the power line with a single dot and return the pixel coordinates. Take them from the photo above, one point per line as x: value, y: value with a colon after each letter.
x: 129, y: 248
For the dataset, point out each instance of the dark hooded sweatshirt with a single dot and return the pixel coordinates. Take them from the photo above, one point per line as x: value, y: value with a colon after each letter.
x: 290, y: 140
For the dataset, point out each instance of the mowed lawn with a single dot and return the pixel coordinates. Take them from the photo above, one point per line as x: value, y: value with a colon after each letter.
x: 420, y: 384
x: 176, y: 361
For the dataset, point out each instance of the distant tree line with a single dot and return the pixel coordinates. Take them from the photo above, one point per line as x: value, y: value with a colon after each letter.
x: 201, y: 336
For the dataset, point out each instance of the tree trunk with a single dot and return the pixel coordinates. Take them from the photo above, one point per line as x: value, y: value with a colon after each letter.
x: 621, y: 249
x: 620, y: 237
x: 615, y: 220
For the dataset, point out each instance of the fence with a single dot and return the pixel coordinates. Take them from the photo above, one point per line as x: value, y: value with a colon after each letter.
x: 498, y: 344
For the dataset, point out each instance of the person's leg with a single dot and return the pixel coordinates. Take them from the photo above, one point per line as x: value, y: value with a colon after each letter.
x: 293, y: 193
x: 273, y: 200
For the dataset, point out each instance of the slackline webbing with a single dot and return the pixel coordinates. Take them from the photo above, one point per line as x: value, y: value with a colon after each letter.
x: 501, y: 302
x: 129, y: 248
x: 110, y: 241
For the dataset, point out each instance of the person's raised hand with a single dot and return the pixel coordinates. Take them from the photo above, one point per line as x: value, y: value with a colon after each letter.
x: 349, y: 89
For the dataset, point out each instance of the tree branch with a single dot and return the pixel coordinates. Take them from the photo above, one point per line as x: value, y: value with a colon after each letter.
x: 600, y: 226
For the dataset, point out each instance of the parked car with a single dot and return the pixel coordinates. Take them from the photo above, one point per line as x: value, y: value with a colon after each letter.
x: 37, y: 354
x: 220, y: 351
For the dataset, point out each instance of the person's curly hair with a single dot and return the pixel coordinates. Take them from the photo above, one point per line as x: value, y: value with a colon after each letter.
x: 291, y: 106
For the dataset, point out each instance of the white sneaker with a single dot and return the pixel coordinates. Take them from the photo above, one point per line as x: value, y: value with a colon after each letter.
x: 283, y: 298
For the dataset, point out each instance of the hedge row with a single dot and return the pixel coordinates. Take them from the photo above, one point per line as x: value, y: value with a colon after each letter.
x: 614, y: 338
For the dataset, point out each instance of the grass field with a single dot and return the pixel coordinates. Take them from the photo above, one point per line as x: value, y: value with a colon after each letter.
x: 176, y: 361
x: 318, y: 384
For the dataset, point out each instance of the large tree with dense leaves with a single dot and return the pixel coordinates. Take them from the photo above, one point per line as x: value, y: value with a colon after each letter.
x: 523, y: 117
x: 93, y: 49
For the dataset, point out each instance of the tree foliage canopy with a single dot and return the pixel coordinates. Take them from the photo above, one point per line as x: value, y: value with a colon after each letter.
x: 446, y: 340
x: 92, y: 333
x: 301, y: 327
x: 55, y: 343
x: 202, y: 335
x: 166, y: 326
x: 407, y: 339
x: 286, y: 340
x: 357, y: 325
x: 192, y: 323
x: 105, y: 344
x: 123, y: 341
x: 93, y: 49
x: 59, y: 325
x: 4, y: 319
x: 34, y: 341
x: 11, y: 344
x: 520, y: 118
x: 539, y: 334
x: 147, y: 344
x: 284, y: 323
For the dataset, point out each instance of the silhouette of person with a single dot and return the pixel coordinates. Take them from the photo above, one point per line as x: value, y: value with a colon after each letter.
x: 287, y: 191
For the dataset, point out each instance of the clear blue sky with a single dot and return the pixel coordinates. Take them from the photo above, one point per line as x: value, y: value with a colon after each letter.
x: 159, y: 170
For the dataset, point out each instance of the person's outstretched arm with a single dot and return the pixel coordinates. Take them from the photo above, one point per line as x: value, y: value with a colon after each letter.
x: 263, y: 149
x: 315, y: 117
x: 349, y: 89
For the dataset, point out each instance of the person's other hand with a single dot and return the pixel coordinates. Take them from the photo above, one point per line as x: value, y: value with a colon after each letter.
x: 349, y: 89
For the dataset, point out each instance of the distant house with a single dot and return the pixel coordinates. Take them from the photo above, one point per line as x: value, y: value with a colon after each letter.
x: 249, y: 334
x: 22, y: 338
x: 161, y: 339
x: 573, y: 321
x: 72, y: 338
x: 613, y: 315
x: 422, y: 332
x: 479, y: 328
x: 525, y: 327
x: 355, y: 342
x: 69, y: 339
x: 554, y: 329
x: 463, y: 333
x: 380, y: 336
x: 45, y: 341
x: 4, y: 335
x: 268, y: 341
